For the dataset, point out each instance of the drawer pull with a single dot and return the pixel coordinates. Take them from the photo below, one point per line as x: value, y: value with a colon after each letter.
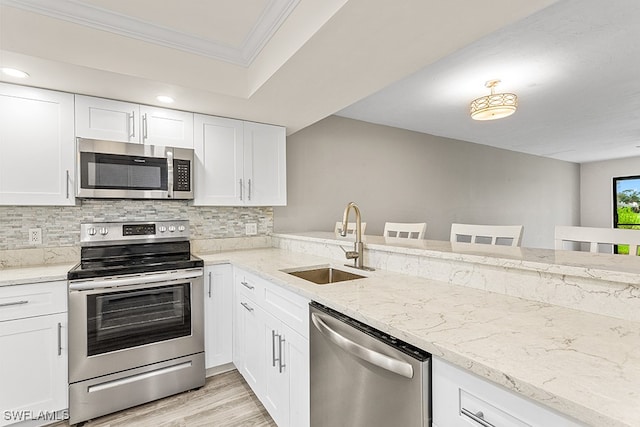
x: 8, y: 304
x: 248, y: 286
x: 247, y: 306
x: 477, y: 417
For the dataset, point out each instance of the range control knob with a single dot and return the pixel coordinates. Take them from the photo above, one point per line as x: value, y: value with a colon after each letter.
x: 181, y: 228
x: 104, y: 231
x: 91, y: 231
x: 172, y: 228
x: 162, y: 229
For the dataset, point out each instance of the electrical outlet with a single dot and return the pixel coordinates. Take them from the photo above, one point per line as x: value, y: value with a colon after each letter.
x: 35, y: 236
x: 251, y: 229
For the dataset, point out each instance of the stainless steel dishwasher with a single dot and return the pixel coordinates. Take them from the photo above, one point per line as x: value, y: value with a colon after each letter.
x: 361, y: 376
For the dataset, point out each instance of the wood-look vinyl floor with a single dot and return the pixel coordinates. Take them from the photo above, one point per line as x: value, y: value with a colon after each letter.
x: 225, y: 401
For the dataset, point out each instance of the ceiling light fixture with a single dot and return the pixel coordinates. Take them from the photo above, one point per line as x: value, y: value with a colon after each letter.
x: 165, y: 99
x: 13, y: 72
x: 495, y: 105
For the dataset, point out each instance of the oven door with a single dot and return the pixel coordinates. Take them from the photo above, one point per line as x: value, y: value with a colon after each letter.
x: 137, y: 320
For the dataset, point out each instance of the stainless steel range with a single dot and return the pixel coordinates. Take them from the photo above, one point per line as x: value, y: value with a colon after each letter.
x: 136, y: 322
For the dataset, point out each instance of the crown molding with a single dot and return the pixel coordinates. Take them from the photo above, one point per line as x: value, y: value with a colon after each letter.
x: 77, y: 12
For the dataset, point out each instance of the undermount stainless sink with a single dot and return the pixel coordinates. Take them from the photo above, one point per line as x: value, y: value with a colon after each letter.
x: 325, y: 275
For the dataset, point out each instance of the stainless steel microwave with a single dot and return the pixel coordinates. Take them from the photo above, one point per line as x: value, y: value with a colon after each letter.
x: 121, y: 170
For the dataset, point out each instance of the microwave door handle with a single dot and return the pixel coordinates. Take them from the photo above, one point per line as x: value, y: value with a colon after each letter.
x: 378, y: 359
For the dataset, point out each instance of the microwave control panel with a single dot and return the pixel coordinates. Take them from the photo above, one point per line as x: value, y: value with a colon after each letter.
x: 181, y: 175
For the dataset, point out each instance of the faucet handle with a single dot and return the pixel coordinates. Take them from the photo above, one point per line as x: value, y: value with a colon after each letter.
x: 350, y: 254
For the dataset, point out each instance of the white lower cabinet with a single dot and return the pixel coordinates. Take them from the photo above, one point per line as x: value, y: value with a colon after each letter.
x: 271, y: 347
x: 218, y: 287
x: 463, y: 399
x: 33, y: 355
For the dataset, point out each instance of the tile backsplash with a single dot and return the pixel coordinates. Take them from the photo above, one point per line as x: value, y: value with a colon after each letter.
x: 61, y: 224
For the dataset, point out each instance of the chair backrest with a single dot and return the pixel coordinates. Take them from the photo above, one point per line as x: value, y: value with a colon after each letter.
x: 508, y: 235
x: 596, y: 236
x: 351, y: 227
x: 405, y: 230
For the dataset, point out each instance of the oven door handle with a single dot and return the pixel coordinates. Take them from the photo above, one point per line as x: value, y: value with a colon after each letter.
x: 134, y: 280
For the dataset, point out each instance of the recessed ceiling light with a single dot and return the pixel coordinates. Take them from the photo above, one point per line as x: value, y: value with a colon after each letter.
x: 165, y: 99
x: 14, y: 73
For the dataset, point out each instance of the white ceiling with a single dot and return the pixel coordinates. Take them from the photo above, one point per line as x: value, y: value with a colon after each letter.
x: 574, y: 66
x: 294, y: 62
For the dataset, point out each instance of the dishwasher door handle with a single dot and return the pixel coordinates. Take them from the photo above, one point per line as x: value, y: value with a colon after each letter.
x: 378, y: 359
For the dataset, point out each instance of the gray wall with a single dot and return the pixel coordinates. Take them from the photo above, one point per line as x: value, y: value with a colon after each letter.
x: 596, y: 189
x: 403, y: 176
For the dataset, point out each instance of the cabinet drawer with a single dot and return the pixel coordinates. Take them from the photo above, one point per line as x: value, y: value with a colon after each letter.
x: 249, y: 285
x: 287, y: 306
x: 461, y: 398
x: 21, y: 301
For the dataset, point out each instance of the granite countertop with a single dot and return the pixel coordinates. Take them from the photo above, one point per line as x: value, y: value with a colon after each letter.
x: 614, y: 268
x: 581, y: 364
x: 34, y: 274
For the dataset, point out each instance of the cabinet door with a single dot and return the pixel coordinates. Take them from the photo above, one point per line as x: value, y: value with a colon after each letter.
x: 218, y: 315
x: 219, y: 161
x: 33, y: 365
x: 275, y: 396
x: 37, y: 147
x: 265, y: 169
x: 161, y: 126
x: 99, y: 118
x: 297, y: 366
x: 249, y: 343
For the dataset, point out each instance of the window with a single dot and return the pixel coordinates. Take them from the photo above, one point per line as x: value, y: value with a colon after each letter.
x: 626, y: 206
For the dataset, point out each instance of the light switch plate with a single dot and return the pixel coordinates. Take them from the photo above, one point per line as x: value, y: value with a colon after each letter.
x: 251, y: 229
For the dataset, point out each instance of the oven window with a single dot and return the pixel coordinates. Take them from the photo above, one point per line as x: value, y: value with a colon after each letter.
x: 125, y: 319
x: 118, y: 172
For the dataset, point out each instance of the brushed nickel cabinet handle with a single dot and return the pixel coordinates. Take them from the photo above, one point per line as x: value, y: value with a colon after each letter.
x: 248, y: 286
x: 281, y: 364
x: 133, y: 124
x: 249, y: 198
x: 247, y: 306
x: 59, y: 339
x: 273, y: 348
x: 209, y: 284
x: 67, y: 183
x: 9, y: 304
x: 240, y: 188
x: 477, y: 417
x: 145, y: 130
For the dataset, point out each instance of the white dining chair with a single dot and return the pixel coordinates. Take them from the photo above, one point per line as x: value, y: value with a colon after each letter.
x: 406, y: 230
x: 351, y: 227
x: 599, y: 239
x: 508, y: 235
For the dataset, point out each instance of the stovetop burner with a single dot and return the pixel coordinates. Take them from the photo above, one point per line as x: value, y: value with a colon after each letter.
x: 114, y: 249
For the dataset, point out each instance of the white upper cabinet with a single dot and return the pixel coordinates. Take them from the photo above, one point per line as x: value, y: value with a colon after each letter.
x: 99, y: 118
x: 265, y: 168
x: 218, y: 144
x: 37, y: 146
x: 239, y: 163
x: 170, y: 128
x: 112, y: 120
